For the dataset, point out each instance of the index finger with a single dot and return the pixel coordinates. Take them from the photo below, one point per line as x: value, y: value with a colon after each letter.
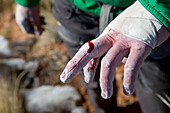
x: 89, y: 50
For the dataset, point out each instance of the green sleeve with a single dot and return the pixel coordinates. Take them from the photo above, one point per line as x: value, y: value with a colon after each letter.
x: 118, y: 3
x: 89, y: 6
x: 160, y: 9
x: 28, y: 3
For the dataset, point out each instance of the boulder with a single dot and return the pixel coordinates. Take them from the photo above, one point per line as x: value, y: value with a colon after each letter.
x: 52, y: 99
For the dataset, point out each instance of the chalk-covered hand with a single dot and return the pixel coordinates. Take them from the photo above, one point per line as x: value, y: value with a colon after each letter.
x: 132, y: 34
x: 28, y: 18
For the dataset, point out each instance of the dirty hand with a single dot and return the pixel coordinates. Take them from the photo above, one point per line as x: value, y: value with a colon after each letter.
x: 28, y: 18
x: 132, y: 35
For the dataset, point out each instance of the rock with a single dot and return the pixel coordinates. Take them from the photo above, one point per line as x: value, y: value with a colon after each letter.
x: 5, y: 72
x: 18, y: 66
x: 4, y: 49
x: 32, y: 66
x: 52, y: 99
x: 22, y: 47
x: 13, y: 49
x: 16, y: 63
x: 28, y: 81
x: 47, y: 39
x: 78, y: 110
x: 50, y: 67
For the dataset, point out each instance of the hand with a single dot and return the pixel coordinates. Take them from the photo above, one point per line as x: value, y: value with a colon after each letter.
x: 28, y: 18
x: 126, y: 36
x: 117, y: 47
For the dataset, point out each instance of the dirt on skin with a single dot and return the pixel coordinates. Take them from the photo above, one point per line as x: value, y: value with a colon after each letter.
x: 10, y: 30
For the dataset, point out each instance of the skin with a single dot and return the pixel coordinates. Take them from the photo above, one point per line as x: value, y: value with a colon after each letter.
x: 116, y: 46
x: 29, y: 20
x: 90, y: 69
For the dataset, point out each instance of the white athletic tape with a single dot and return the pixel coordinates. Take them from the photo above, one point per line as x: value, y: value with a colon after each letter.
x: 137, y: 23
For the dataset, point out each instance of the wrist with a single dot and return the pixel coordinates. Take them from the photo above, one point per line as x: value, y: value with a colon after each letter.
x: 137, y: 23
x: 162, y: 35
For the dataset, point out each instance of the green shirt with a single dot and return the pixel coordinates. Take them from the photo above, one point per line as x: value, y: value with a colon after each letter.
x: 159, y: 8
x: 91, y: 6
x: 28, y: 3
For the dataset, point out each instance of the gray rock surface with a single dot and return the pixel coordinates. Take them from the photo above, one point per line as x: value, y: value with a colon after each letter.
x: 78, y: 110
x: 53, y: 99
x: 16, y: 63
x: 31, y: 66
x: 4, y: 49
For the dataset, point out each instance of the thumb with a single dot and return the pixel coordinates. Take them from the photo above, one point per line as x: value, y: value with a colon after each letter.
x: 35, y: 20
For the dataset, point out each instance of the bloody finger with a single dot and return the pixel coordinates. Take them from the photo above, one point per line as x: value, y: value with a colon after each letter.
x: 92, y: 49
x: 90, y: 70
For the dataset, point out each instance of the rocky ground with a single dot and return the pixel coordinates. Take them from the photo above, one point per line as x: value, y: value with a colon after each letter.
x: 30, y: 67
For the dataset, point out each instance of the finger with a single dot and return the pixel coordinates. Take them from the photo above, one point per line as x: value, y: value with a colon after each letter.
x: 42, y: 20
x: 37, y: 28
x: 22, y: 21
x: 36, y: 23
x: 90, y: 70
x: 24, y: 24
x: 133, y: 63
x: 92, y: 49
x: 26, y: 27
x: 108, y: 66
x: 124, y: 60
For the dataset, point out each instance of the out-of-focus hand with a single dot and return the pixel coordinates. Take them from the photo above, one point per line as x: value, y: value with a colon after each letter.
x: 28, y: 18
x: 126, y: 36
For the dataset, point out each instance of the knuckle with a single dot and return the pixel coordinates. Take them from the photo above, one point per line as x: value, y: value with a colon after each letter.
x: 129, y: 70
x: 138, y: 46
x: 106, y: 63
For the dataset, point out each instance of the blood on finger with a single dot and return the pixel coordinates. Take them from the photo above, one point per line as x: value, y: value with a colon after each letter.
x: 77, y: 63
x: 93, y: 65
x: 64, y: 75
x: 90, y: 49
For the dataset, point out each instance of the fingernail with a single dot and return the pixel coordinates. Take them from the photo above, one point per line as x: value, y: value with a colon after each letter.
x: 128, y: 91
x: 86, y: 79
x: 63, y: 77
x: 104, y: 95
x: 38, y: 33
x: 125, y: 92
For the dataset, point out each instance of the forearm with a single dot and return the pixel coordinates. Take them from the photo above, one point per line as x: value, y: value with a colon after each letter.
x: 28, y: 3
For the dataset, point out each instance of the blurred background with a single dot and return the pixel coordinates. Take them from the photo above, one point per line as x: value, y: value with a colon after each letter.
x: 30, y: 67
